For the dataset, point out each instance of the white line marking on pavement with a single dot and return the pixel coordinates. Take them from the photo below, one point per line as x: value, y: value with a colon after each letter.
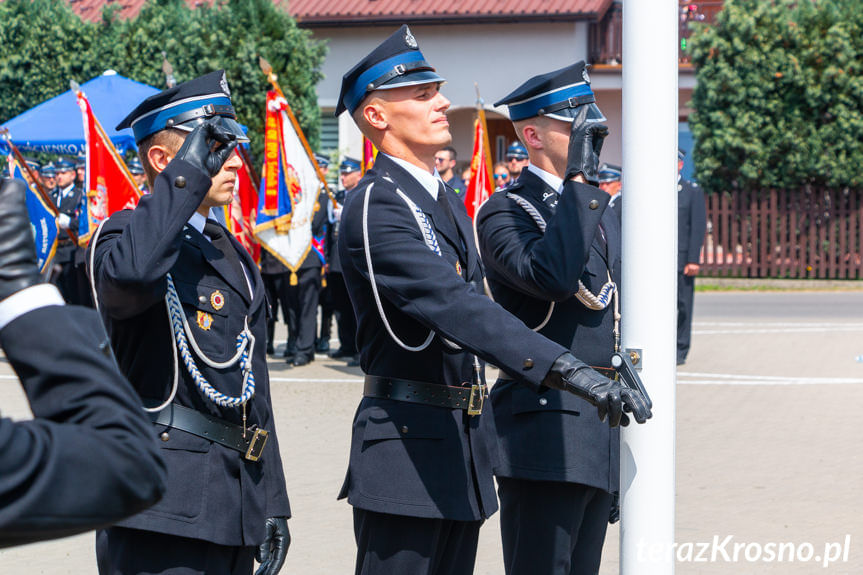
x: 756, y: 327
x: 739, y: 379
x: 834, y: 329
x: 778, y: 323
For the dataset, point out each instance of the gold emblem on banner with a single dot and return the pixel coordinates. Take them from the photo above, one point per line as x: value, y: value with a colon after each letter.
x: 205, y: 320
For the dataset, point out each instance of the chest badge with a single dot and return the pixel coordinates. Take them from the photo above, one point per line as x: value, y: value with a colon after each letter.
x: 205, y: 320
x: 217, y: 300
x: 458, y: 267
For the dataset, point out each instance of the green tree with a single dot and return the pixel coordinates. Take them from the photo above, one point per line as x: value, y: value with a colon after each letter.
x: 43, y: 45
x: 231, y: 34
x: 779, y: 95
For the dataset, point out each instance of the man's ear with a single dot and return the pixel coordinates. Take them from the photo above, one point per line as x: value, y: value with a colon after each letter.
x: 531, y: 137
x: 374, y: 115
x: 159, y: 157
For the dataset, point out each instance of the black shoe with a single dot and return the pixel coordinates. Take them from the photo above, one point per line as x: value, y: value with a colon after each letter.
x: 322, y: 346
x: 354, y: 361
x: 302, y: 359
x: 341, y: 352
x: 270, y: 349
x: 289, y: 353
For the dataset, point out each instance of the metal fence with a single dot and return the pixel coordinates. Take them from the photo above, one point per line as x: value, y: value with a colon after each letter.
x: 812, y: 233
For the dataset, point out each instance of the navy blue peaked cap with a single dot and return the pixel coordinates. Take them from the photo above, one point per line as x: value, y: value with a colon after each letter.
x: 396, y: 62
x: 34, y: 165
x: 516, y: 150
x: 349, y: 165
x: 48, y: 170
x: 81, y: 161
x: 185, y: 106
x: 134, y: 165
x: 556, y: 94
x: 609, y: 173
x: 64, y: 165
x: 322, y: 160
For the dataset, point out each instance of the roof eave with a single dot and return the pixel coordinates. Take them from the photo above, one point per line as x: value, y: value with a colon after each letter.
x: 413, y: 19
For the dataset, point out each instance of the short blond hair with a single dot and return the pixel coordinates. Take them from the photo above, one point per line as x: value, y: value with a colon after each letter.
x: 171, y: 138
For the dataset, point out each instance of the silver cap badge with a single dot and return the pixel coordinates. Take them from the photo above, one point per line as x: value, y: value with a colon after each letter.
x: 410, y: 40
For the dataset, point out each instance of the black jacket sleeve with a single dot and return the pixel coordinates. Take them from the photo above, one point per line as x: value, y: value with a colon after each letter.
x: 548, y: 265
x: 89, y: 458
x: 137, y: 248
x: 698, y: 224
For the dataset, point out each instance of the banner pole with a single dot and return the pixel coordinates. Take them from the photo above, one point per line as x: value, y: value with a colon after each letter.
x: 268, y: 71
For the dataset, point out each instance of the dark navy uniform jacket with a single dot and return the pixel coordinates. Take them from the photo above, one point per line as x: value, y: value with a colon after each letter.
x: 333, y: 238
x: 89, y: 457
x: 411, y: 459
x: 71, y: 206
x: 213, y: 493
x: 552, y: 435
x: 691, y: 223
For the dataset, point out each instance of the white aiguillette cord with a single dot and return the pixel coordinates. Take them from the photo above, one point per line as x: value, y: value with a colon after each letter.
x: 427, y: 231
x: 182, y: 335
x: 590, y: 300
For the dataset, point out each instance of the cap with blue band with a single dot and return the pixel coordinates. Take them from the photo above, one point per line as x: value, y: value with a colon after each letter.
x: 64, y: 165
x: 349, y: 165
x: 185, y: 106
x: 396, y: 62
x: 558, y: 94
x: 609, y: 173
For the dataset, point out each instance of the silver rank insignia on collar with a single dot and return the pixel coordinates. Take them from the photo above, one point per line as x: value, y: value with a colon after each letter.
x: 410, y: 40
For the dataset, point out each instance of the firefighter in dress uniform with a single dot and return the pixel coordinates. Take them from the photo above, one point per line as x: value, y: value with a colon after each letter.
x: 551, y: 249
x: 186, y: 311
x: 420, y: 470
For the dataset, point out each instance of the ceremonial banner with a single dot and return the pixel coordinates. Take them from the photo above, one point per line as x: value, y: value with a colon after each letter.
x: 480, y: 186
x: 369, y: 155
x: 109, y: 186
x: 289, y: 190
x: 240, y: 214
x: 43, y: 219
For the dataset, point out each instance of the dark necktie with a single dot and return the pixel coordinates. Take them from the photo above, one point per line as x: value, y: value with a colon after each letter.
x: 443, y: 202
x: 219, y: 239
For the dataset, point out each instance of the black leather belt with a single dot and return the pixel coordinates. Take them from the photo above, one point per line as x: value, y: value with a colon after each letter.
x: 608, y: 372
x: 469, y: 399
x: 250, y: 442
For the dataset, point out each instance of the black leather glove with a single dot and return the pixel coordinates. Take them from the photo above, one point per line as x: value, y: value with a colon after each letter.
x: 568, y: 373
x: 272, y: 552
x: 18, y: 267
x: 614, y: 512
x: 208, y: 147
x: 585, y: 144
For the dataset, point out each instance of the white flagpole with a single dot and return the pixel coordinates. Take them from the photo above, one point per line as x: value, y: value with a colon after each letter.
x: 650, y: 119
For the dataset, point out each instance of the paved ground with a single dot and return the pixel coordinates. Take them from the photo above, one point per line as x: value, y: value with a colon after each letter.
x: 768, y: 447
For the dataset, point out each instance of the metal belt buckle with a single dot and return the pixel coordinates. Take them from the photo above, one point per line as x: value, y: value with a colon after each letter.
x: 256, y: 445
x: 477, y: 397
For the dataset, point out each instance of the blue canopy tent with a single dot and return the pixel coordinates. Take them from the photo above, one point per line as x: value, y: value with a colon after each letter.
x: 55, y: 126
